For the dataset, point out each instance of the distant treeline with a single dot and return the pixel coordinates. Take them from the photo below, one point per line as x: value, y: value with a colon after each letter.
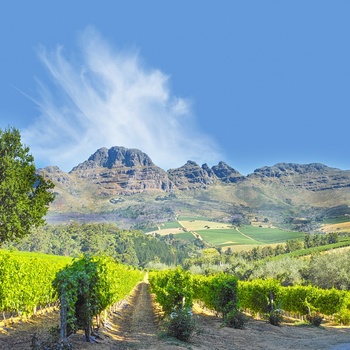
x: 130, y: 247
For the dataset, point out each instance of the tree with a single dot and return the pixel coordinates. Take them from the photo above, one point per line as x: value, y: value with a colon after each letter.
x: 292, y: 245
x: 24, y: 195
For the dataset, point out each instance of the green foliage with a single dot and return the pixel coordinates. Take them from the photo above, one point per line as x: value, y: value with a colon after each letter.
x: 174, y: 292
x: 304, y: 300
x: 286, y: 270
x: 24, y: 195
x: 330, y: 270
x: 127, y: 246
x: 235, y: 319
x: 90, y: 285
x: 26, y: 281
x: 173, y: 289
x: 275, y: 317
x: 181, y: 324
x: 218, y: 292
x: 255, y: 295
x: 343, y: 317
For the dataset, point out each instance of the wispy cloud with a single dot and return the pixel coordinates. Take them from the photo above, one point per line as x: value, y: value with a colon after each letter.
x: 102, y: 97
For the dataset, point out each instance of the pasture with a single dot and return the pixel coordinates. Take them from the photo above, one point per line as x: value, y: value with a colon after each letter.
x: 270, y: 235
x: 225, y: 235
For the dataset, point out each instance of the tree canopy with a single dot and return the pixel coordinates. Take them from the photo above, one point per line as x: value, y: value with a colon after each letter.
x: 24, y: 195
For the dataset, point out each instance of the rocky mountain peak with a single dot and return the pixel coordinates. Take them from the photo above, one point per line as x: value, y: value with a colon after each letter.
x: 116, y: 157
x: 191, y: 175
x: 287, y: 169
x: 226, y: 174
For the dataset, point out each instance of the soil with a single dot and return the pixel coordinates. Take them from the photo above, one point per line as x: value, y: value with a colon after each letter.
x: 136, y: 325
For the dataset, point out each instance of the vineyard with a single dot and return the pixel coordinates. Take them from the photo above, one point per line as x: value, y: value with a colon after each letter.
x: 83, y: 287
x: 224, y: 294
x: 86, y: 287
x: 26, y: 282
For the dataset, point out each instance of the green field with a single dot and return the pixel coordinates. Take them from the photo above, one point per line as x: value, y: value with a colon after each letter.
x: 270, y: 235
x: 35, y: 255
x: 186, y: 235
x: 225, y: 237
x: 169, y: 224
x: 223, y: 234
x: 190, y: 218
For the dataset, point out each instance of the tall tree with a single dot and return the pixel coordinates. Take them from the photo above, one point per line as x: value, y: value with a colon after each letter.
x: 24, y: 195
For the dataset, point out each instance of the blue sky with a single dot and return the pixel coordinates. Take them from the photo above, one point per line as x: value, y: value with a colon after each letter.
x: 252, y: 83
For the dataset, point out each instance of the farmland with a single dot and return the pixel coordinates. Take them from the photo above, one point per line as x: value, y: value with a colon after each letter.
x: 221, y: 234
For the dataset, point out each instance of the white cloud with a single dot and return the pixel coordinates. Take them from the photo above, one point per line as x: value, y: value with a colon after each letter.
x: 103, y: 98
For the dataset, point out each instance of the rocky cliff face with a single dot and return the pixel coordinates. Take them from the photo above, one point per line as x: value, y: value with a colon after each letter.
x: 119, y: 170
x: 227, y: 174
x: 191, y: 176
x: 313, y: 177
x: 110, y: 180
x: 123, y: 171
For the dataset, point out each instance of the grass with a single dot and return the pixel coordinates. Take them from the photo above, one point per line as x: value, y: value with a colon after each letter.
x: 186, y: 235
x: 320, y: 249
x: 222, y: 234
x: 190, y: 218
x: 270, y: 235
x: 35, y: 255
x: 195, y: 225
x: 225, y: 237
x: 169, y: 224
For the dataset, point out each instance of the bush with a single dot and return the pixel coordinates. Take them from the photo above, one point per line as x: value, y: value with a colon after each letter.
x: 343, y: 317
x: 315, y: 320
x: 181, y: 324
x: 235, y: 319
x: 276, y: 317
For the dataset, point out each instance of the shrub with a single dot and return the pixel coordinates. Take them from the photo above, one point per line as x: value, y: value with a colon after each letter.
x: 181, y: 324
x: 315, y: 319
x: 276, y: 317
x: 235, y: 319
x: 343, y: 317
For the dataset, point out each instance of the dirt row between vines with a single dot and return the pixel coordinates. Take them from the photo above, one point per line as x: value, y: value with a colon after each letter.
x: 136, y: 325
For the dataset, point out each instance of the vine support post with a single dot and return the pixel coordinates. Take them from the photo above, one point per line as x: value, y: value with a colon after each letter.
x: 63, y: 317
x: 271, y: 303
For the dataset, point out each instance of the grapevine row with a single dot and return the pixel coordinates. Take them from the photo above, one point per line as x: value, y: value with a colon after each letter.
x: 224, y: 294
x: 89, y: 286
x: 302, y: 300
x: 26, y: 281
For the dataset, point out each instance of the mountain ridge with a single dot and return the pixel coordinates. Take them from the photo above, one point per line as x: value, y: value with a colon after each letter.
x: 124, y: 183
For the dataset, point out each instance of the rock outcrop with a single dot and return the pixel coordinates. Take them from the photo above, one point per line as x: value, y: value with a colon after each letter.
x: 227, y: 174
x: 313, y: 177
x: 192, y: 176
x: 124, y: 171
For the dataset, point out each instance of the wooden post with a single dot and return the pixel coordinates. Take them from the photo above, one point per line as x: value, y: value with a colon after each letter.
x: 271, y: 303
x: 63, y: 317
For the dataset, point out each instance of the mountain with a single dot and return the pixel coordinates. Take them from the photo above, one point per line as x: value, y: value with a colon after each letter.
x: 124, y: 186
x: 121, y: 171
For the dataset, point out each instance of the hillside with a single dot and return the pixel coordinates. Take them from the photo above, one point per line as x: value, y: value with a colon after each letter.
x: 124, y: 186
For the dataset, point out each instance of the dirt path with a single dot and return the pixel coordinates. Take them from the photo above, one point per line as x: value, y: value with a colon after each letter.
x: 134, y: 326
x: 137, y: 323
